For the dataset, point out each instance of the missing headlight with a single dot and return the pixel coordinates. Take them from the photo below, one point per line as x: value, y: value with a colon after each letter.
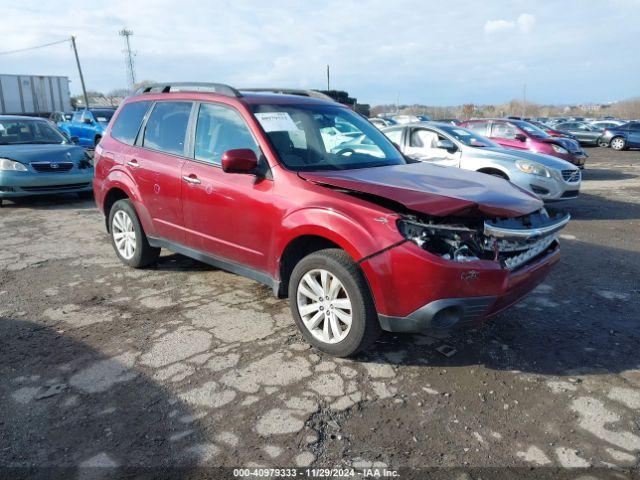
x: 450, y: 241
x: 511, y: 241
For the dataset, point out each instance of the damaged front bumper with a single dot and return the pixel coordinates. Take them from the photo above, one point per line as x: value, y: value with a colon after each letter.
x: 484, y: 293
x: 466, y: 275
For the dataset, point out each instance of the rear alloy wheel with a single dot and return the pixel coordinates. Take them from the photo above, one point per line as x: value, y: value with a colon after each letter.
x: 128, y: 238
x: 618, y: 143
x: 331, y: 303
x: 124, y: 234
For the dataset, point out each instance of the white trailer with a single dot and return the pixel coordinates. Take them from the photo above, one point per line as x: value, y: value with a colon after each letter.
x: 36, y: 95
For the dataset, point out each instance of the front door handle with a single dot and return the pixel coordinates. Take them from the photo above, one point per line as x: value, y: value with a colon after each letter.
x: 133, y: 163
x: 192, y: 179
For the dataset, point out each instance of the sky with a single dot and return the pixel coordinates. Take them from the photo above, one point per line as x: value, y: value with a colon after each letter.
x: 380, y: 51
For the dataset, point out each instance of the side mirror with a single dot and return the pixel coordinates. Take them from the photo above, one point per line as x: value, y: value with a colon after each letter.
x: 88, y: 120
x: 521, y: 136
x: 239, y: 160
x: 74, y: 140
x: 446, y: 145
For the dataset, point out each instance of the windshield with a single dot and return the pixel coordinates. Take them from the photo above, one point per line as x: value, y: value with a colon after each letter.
x: 324, y: 137
x: 102, y: 116
x: 533, y: 130
x: 14, y: 132
x: 468, y: 137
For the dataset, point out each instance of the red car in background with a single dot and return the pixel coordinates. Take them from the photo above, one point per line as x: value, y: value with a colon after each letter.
x: 359, y: 238
x: 522, y: 135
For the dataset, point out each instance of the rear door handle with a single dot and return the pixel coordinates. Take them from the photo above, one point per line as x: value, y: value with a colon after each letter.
x: 192, y: 179
x: 133, y: 163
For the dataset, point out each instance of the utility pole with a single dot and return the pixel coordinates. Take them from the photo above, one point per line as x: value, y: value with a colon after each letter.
x: 84, y: 89
x: 328, y: 78
x: 128, y: 57
x: 524, y: 101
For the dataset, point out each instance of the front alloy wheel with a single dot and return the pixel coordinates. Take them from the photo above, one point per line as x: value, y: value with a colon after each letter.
x: 331, y: 303
x: 324, y: 306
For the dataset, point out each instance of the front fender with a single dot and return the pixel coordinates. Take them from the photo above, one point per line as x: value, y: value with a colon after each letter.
x: 359, y: 236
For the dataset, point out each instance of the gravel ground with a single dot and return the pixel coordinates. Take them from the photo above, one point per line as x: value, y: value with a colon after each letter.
x: 186, y: 365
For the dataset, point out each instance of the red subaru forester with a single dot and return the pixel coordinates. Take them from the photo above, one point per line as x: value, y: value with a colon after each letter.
x: 309, y: 198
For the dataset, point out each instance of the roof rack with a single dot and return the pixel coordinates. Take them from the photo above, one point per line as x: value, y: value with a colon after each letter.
x: 219, y: 88
x: 292, y: 91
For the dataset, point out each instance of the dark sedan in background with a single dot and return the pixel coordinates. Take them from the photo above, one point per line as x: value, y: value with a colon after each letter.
x: 622, y: 137
x: 583, y: 132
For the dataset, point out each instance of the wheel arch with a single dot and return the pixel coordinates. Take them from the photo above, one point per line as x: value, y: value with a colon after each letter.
x: 298, y: 248
x: 118, y: 187
x: 493, y: 170
x: 113, y: 195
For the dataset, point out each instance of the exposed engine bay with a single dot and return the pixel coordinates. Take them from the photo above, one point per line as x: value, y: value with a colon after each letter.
x: 511, y: 241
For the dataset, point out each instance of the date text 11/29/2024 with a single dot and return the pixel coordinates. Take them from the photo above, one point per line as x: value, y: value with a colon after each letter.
x: 371, y: 472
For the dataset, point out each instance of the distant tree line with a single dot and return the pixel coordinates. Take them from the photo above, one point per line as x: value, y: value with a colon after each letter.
x: 629, y: 109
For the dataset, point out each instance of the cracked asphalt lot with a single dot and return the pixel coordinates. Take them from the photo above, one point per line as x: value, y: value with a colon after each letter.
x: 186, y: 365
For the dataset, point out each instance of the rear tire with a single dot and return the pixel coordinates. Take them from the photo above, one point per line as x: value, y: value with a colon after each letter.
x: 128, y: 238
x: 618, y: 143
x: 96, y: 141
x: 350, y: 297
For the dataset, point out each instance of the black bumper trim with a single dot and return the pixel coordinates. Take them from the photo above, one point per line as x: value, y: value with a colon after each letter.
x: 467, y: 309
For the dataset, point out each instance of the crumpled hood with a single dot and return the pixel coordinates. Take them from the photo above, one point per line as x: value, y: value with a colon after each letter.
x: 509, y: 154
x: 435, y: 190
x: 27, y: 153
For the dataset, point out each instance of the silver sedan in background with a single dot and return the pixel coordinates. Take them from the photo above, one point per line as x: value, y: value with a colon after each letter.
x: 548, y: 177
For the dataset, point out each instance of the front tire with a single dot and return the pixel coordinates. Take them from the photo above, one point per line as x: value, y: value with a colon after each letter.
x: 331, y: 303
x: 128, y: 238
x: 618, y: 143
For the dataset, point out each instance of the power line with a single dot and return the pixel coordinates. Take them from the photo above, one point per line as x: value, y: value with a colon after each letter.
x: 34, y: 48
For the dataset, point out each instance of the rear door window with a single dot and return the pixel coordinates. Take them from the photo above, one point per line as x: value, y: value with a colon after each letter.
x: 127, y: 124
x: 166, y: 129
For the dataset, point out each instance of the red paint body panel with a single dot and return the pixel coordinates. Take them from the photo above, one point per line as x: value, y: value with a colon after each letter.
x: 251, y: 221
x: 229, y: 215
x: 406, y: 277
x: 435, y: 190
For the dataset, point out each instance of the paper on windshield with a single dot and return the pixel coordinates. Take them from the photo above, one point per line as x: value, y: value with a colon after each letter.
x: 276, y: 122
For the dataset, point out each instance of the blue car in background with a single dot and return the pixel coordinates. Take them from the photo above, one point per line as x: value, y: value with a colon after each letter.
x: 36, y: 159
x: 622, y: 137
x: 88, y: 125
